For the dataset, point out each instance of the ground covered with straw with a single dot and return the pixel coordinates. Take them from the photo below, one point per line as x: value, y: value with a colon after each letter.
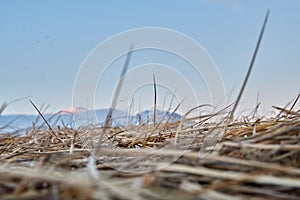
x: 252, y: 159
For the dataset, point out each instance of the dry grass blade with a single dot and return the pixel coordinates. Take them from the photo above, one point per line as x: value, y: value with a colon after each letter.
x: 237, y: 176
x: 3, y: 107
x: 290, y: 112
x: 250, y: 66
x: 5, y: 104
x: 92, y: 162
x: 154, y: 111
x: 115, y: 96
x: 49, y: 126
x: 118, y: 88
x: 296, y: 100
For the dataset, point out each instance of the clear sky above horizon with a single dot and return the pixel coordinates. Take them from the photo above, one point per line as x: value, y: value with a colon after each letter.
x: 43, y: 44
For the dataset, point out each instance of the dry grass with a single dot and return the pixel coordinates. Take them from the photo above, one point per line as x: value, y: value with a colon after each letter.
x: 253, y: 160
x: 250, y: 159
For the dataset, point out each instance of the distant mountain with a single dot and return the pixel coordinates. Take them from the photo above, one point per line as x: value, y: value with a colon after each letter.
x: 15, y: 122
x: 121, y: 118
x: 147, y: 117
x: 98, y: 116
x: 81, y: 117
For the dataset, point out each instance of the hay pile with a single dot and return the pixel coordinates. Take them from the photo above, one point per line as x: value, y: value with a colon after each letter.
x: 253, y: 160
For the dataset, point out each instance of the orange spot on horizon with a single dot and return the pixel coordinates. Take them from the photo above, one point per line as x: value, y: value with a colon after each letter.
x: 73, y: 110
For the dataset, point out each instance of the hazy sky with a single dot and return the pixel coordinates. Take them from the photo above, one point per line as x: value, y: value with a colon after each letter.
x: 43, y: 44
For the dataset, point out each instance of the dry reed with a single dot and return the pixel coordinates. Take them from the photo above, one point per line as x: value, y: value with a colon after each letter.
x: 257, y: 159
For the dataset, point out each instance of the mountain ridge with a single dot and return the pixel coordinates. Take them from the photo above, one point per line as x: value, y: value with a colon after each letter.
x: 15, y: 122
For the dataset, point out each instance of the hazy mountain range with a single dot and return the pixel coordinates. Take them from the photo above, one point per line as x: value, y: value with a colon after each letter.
x: 81, y: 117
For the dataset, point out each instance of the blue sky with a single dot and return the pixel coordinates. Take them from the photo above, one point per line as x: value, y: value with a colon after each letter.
x: 43, y: 44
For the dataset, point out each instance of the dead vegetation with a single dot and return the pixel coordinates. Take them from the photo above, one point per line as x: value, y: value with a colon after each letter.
x: 257, y: 159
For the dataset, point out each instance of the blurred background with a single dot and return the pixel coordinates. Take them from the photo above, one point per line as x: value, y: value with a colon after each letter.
x: 43, y: 44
